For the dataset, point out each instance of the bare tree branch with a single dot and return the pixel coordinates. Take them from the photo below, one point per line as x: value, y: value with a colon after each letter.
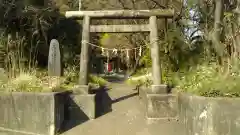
x: 158, y: 4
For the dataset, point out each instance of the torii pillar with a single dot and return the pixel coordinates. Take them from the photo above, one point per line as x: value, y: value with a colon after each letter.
x: 84, y: 60
x: 157, y: 86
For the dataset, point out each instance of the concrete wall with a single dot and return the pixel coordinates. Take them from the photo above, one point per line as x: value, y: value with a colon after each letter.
x: 31, y: 113
x: 81, y: 106
x: 209, y: 116
x: 81, y: 103
x: 161, y: 106
x: 158, y: 106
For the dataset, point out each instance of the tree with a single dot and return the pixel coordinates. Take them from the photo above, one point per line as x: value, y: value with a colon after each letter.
x: 218, y: 27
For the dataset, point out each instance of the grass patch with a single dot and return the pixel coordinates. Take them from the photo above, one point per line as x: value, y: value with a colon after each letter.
x: 26, y: 82
x: 211, y: 80
x: 142, y: 80
x: 142, y: 71
x: 35, y: 81
x: 39, y: 82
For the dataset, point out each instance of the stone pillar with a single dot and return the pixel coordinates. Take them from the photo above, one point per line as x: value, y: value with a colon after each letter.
x: 84, y: 61
x: 157, y: 86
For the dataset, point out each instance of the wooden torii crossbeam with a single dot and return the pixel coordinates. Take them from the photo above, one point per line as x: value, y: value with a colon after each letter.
x: 152, y: 27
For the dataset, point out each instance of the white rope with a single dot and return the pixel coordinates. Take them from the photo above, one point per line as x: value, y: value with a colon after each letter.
x: 115, y: 51
x: 135, y: 53
x: 111, y: 49
x: 140, y: 51
x: 128, y: 53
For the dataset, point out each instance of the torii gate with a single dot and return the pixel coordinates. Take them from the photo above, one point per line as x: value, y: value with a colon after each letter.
x: 152, y: 27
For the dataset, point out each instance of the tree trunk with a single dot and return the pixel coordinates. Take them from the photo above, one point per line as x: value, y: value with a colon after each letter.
x: 217, y: 32
x: 236, y: 29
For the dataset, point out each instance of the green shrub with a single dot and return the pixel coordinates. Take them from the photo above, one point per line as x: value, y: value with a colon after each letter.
x: 97, y: 80
x: 210, y: 80
x: 71, y: 75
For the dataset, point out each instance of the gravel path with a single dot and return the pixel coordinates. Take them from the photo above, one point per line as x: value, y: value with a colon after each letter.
x: 126, y: 118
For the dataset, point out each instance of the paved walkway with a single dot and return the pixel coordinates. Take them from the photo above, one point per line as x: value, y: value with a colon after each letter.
x: 126, y: 118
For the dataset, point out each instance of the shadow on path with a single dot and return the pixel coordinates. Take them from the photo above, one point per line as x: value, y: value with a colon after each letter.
x: 103, y: 101
x: 124, y: 98
x: 73, y: 115
x: 114, y: 79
